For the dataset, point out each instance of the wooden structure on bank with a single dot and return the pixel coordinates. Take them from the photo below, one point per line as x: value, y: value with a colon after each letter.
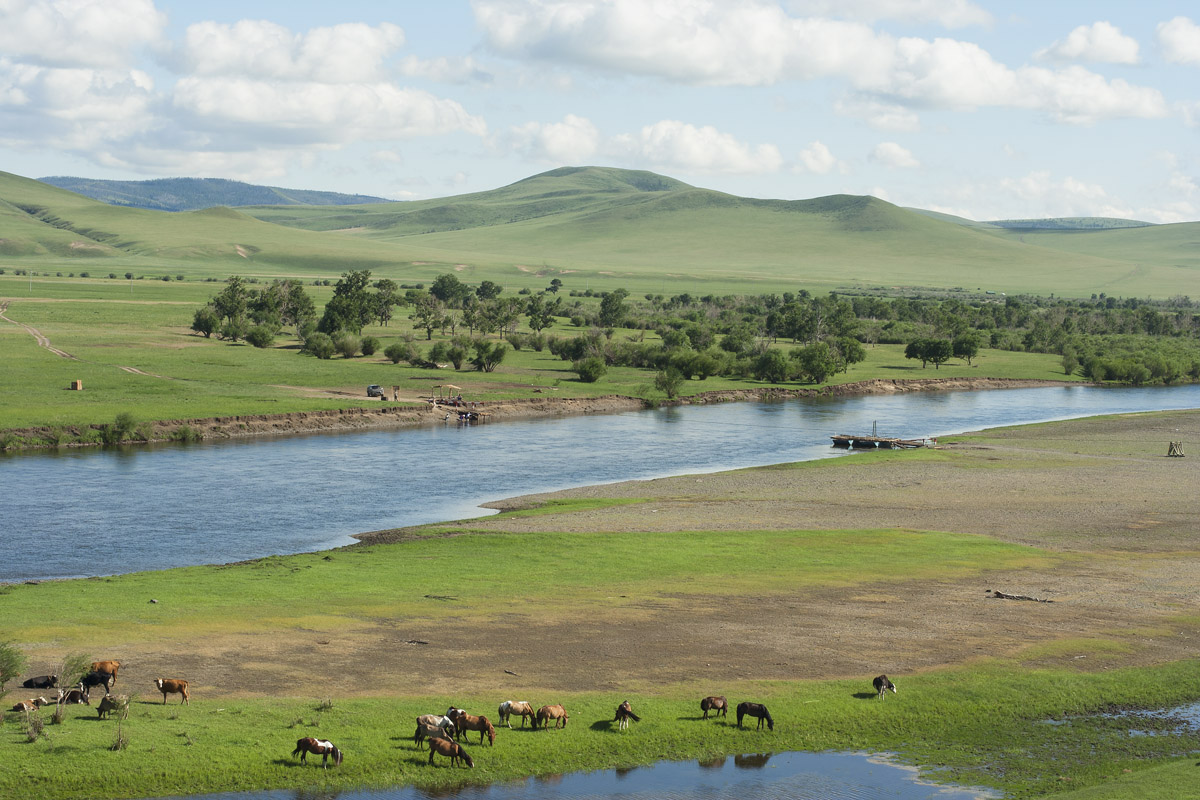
x: 1175, y: 449
x: 873, y: 442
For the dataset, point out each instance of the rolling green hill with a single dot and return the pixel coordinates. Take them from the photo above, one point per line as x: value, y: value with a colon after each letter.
x: 192, y: 194
x: 606, y: 228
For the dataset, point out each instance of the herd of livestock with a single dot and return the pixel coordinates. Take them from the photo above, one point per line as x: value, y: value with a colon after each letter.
x: 443, y: 731
x: 101, y: 673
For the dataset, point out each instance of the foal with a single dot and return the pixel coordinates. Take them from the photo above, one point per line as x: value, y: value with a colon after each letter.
x: 715, y: 704
x: 624, y: 714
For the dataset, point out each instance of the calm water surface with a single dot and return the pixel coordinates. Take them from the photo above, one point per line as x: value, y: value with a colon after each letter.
x: 101, y: 512
x: 783, y: 776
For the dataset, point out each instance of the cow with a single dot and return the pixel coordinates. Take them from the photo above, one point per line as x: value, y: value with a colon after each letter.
x: 30, y: 705
x: 882, y: 684
x: 41, y: 682
x: 96, y: 679
x: 68, y: 697
x: 173, y: 686
x: 108, y: 667
x: 112, y: 702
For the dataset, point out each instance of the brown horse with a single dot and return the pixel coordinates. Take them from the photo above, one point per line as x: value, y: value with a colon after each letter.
x: 449, y: 748
x: 547, y: 713
x: 755, y: 710
x: 510, y: 707
x: 715, y: 704
x: 624, y: 714
x: 318, y: 748
x: 464, y: 722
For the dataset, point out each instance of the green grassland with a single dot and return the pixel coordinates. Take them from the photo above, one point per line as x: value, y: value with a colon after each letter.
x: 595, y: 228
x: 109, y: 324
x: 983, y: 724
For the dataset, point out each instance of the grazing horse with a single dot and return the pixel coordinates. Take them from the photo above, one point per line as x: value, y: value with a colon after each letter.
x: 318, y: 748
x: 882, y: 684
x: 624, y: 714
x: 510, y: 707
x: 464, y: 722
x: 453, y: 749
x: 547, y: 713
x: 715, y: 704
x: 755, y: 710
x: 432, y: 726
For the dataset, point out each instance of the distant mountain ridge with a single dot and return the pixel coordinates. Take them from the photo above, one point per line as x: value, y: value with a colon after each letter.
x: 193, y: 194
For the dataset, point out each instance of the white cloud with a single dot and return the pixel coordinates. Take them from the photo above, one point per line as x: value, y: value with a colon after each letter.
x: 819, y: 160
x: 879, y: 115
x: 320, y: 112
x: 445, y: 70
x: 674, y: 145
x: 352, y: 52
x: 1179, y: 40
x: 892, y: 155
x: 949, y: 13
x: 78, y: 33
x: 575, y: 141
x: 754, y: 43
x: 1101, y: 41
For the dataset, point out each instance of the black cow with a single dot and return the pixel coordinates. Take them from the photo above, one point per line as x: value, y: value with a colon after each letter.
x: 41, y: 682
x: 96, y: 679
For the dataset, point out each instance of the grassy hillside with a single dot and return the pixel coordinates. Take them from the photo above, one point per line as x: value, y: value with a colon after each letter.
x: 605, y: 228
x: 191, y: 194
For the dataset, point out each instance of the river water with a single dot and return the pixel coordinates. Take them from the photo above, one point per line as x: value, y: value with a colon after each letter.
x: 100, y: 512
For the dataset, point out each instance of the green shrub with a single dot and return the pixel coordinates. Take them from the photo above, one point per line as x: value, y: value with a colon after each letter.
x: 370, y: 344
x: 347, y: 344
x: 320, y: 345
x: 261, y: 336
x: 590, y: 369
x: 185, y: 433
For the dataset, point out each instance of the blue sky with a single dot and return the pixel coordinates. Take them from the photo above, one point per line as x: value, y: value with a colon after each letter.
x: 984, y: 109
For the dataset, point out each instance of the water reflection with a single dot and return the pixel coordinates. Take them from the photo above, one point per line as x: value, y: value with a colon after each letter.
x: 799, y: 776
x: 143, y: 508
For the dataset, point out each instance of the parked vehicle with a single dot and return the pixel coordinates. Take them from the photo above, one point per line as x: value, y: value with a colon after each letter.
x: 375, y: 390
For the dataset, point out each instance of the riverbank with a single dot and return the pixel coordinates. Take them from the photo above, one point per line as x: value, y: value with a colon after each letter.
x: 391, y: 415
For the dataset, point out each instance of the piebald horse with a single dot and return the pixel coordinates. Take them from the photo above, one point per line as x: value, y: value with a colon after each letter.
x: 452, y: 749
x: 755, y: 710
x: 715, y: 704
x: 510, y: 707
x: 624, y: 714
x: 547, y: 713
x: 432, y: 726
x: 882, y: 685
x: 318, y: 748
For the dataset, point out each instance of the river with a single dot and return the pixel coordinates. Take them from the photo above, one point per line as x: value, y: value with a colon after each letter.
x: 85, y: 512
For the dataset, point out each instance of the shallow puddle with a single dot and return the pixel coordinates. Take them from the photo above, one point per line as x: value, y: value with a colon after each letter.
x: 758, y: 776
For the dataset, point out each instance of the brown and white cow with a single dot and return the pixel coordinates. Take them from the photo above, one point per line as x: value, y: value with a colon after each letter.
x: 174, y: 686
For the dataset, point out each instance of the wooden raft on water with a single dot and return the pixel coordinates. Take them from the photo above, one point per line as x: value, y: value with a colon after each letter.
x: 871, y: 442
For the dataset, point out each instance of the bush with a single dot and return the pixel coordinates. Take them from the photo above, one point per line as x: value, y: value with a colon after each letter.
x: 234, y: 329
x: 457, y: 355
x: 668, y: 382
x: 538, y: 341
x: 369, y: 345
x: 347, y: 344
x: 119, y: 430
x: 320, y: 345
x: 517, y: 340
x: 185, y: 433
x: 261, y: 336
x: 590, y: 369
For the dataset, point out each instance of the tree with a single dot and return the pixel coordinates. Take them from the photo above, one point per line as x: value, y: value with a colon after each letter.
x: 966, y: 346
x: 488, y: 290
x: 427, y: 314
x: 555, y: 285
x: 613, y: 308
x: 369, y: 345
x: 668, y: 381
x: 12, y: 664
x: 233, y: 301
x: 261, y: 336
x: 351, y: 306
x: 488, y: 355
x: 450, y: 290
x: 320, y: 345
x: 205, y: 321
x: 541, y: 313
x: 590, y: 369
x: 387, y: 294
x: 401, y: 351
x: 771, y: 366
x: 817, y: 361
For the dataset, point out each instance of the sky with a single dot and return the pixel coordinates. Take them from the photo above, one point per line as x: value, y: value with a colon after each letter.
x: 988, y: 110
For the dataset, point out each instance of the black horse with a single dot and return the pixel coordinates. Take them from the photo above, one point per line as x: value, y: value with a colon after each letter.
x: 755, y: 710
